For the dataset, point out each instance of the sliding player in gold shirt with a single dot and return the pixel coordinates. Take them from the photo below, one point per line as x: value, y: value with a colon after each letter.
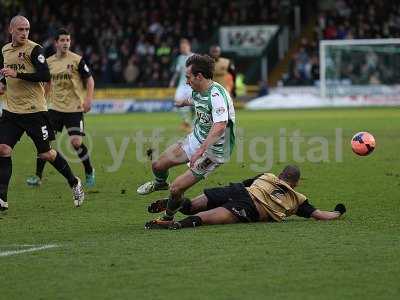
x: 23, y: 69
x: 266, y: 197
x: 70, y: 95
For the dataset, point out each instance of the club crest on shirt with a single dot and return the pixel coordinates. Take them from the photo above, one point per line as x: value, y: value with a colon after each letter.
x: 41, y: 58
x: 21, y: 57
x: 220, y: 110
x: 70, y: 68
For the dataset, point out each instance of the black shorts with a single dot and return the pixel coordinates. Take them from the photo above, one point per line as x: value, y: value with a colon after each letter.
x: 72, y: 121
x: 234, y: 198
x: 36, y: 125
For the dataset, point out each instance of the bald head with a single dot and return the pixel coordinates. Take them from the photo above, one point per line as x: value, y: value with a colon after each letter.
x: 290, y: 174
x: 18, y: 20
x: 19, y: 30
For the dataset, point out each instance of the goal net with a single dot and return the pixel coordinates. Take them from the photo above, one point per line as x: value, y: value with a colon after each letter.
x: 366, y: 68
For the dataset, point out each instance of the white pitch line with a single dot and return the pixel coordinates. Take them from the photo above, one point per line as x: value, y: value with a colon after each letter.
x: 33, y: 249
x: 17, y: 245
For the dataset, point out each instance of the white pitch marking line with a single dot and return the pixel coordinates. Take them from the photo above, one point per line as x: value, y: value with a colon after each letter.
x: 17, y: 245
x: 33, y: 249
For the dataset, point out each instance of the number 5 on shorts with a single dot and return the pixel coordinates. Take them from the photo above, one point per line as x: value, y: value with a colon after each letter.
x: 45, y: 133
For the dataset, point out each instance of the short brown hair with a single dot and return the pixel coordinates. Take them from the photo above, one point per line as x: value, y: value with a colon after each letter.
x: 61, y: 31
x: 203, y: 64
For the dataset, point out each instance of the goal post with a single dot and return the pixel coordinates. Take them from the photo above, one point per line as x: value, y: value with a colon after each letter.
x: 359, y: 67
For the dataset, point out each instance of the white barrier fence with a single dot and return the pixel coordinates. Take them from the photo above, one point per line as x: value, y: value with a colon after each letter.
x: 309, y: 97
x: 279, y: 98
x: 126, y: 106
x: 129, y: 106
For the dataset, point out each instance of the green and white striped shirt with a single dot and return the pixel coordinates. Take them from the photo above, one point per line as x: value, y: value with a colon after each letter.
x: 215, y: 105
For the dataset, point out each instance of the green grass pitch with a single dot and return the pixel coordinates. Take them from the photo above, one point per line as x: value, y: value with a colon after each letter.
x: 103, y: 251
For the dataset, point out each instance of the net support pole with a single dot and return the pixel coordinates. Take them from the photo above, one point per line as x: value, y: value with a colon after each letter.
x: 264, y: 69
x: 322, y: 70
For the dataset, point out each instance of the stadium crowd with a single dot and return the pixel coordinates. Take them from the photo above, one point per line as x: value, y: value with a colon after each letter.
x: 347, y: 19
x: 134, y: 42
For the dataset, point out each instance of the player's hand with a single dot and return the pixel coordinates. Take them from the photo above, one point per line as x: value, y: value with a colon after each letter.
x: 87, y: 105
x: 171, y: 84
x: 199, y: 153
x: 8, y: 72
x: 340, y: 208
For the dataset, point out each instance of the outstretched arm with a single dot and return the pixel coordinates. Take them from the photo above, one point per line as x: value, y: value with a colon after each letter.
x: 339, y: 210
x: 183, y: 102
x: 87, y: 103
x: 325, y: 215
x: 87, y: 79
x: 232, y: 71
x: 306, y: 210
x: 172, y: 82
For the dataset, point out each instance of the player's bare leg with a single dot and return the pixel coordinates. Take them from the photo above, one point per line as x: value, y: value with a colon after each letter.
x: 215, y: 216
x: 172, y: 156
x: 199, y: 204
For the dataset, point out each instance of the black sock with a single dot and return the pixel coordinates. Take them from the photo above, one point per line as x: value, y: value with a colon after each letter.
x: 5, y: 176
x: 83, y: 154
x: 173, y: 204
x: 186, y: 206
x: 63, y: 168
x: 191, y: 221
x: 40, y: 167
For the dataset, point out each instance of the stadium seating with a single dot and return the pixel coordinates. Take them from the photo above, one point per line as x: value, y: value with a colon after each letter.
x: 134, y: 42
x: 347, y: 19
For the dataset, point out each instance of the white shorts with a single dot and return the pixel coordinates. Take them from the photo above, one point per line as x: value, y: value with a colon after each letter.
x: 183, y: 92
x: 205, y: 164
